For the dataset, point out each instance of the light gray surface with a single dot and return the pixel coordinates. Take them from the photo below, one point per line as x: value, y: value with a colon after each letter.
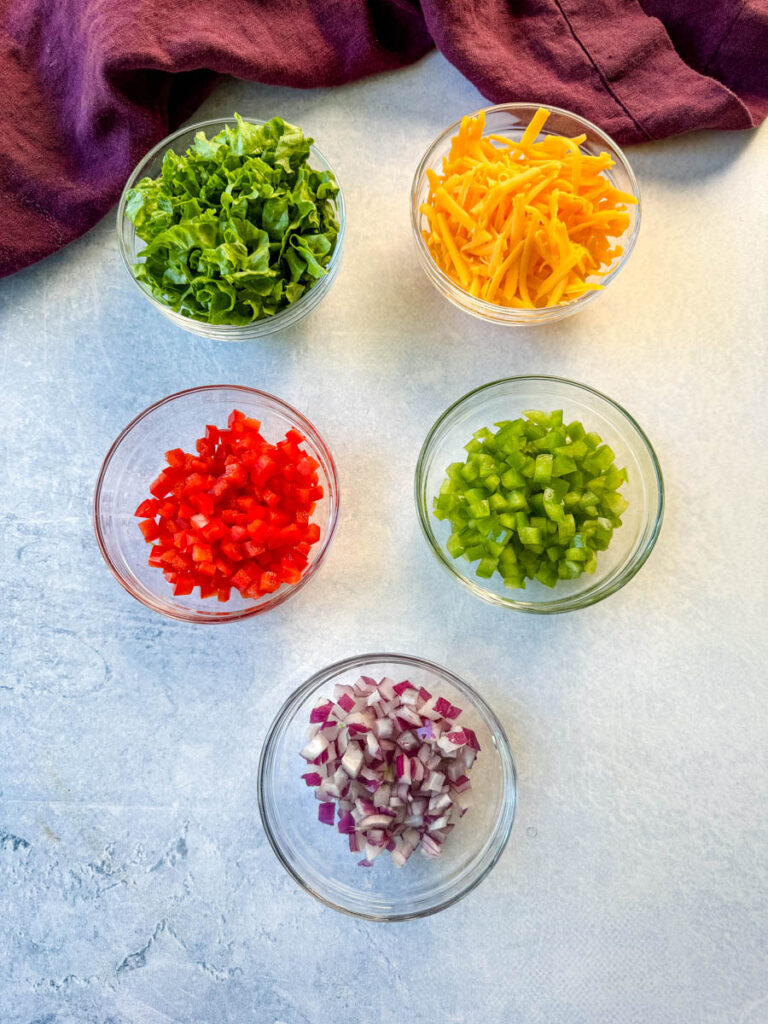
x: 136, y: 885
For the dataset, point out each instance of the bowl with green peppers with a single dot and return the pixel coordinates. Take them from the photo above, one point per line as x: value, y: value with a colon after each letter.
x: 233, y: 228
x: 539, y: 494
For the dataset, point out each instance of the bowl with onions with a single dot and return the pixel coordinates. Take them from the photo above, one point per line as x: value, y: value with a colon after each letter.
x: 387, y: 787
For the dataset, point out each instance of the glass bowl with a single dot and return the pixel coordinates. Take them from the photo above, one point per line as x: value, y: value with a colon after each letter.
x: 511, y: 119
x: 135, y: 459
x: 318, y: 857
x: 631, y: 544
x: 130, y: 244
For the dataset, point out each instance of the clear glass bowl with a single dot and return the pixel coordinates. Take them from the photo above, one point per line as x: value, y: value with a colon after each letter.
x: 130, y: 244
x: 506, y: 399
x: 135, y: 459
x: 511, y: 119
x: 318, y: 857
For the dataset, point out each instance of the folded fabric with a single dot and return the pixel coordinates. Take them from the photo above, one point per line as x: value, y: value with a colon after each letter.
x: 90, y: 85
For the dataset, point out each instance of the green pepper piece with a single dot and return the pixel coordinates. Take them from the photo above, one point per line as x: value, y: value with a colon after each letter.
x: 487, y: 567
x: 615, y: 503
x: 542, y: 473
x: 552, y: 507
x: 516, y: 500
x: 454, y: 546
x: 530, y: 535
x: 592, y: 440
x: 512, y: 479
x: 562, y: 465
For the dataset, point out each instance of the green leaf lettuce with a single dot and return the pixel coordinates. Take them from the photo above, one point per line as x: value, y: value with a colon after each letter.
x: 238, y: 227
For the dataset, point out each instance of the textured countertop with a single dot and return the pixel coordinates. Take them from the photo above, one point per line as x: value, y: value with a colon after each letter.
x: 136, y: 884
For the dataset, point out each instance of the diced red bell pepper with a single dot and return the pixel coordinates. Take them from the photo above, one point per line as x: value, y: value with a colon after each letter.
x: 150, y: 529
x: 163, y: 483
x: 237, y: 513
x: 269, y: 582
x: 147, y: 509
x: 176, y: 458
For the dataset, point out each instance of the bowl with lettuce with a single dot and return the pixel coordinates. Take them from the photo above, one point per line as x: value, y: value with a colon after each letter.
x: 233, y: 228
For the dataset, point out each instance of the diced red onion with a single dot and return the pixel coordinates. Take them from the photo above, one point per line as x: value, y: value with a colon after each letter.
x: 391, y: 758
x: 326, y: 813
x: 320, y: 711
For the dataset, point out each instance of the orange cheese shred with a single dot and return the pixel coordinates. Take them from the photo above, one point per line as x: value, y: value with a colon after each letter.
x: 526, y: 223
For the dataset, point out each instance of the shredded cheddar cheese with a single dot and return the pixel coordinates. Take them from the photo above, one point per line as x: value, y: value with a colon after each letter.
x: 527, y: 224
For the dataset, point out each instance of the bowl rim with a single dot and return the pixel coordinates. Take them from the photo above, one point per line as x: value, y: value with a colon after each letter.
x: 491, y: 311
x: 299, y: 308
x: 636, y: 559
x: 501, y: 831
x: 281, y: 595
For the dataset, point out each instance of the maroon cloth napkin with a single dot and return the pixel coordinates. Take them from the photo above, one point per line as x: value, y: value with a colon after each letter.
x: 88, y: 86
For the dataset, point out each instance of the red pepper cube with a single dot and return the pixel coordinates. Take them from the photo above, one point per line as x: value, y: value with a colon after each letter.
x: 265, y: 467
x: 203, y: 448
x: 269, y: 582
x: 294, y: 436
x: 195, y: 482
x: 232, y: 551
x: 289, y: 451
x: 252, y: 424
x: 257, y: 530
x: 289, y: 575
x: 312, y: 533
x: 163, y: 483
x: 203, y: 503
x: 208, y: 590
x: 301, y: 517
x: 150, y: 529
x: 183, y: 587
x: 147, y: 509
x: 239, y: 533
x: 206, y: 569
x: 252, y: 592
x: 212, y: 433
x: 220, y: 488
x: 273, y: 538
x: 186, y: 511
x: 176, y: 458
x: 215, y: 530
x: 235, y: 417
x: 235, y: 473
x: 199, y: 521
x: 307, y: 465
x: 316, y: 493
x: 290, y: 535
x: 253, y: 550
x: 241, y: 580
x: 223, y: 567
x: 202, y: 553
x: 224, y: 593
x: 271, y: 499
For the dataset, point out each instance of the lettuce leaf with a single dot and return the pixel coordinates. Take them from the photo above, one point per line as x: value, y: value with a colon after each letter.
x: 238, y: 227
